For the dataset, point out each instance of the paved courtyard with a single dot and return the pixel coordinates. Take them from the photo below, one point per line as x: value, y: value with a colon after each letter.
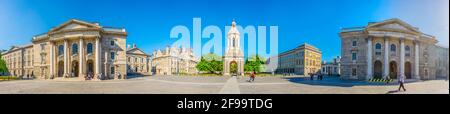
x: 218, y: 85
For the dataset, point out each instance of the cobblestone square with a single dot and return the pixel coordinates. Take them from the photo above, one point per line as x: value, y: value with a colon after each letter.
x: 218, y: 85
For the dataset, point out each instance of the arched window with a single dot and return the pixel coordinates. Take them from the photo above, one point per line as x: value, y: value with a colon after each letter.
x: 378, y: 46
x: 407, y: 51
x: 378, y: 49
x: 393, y: 48
x: 60, y: 50
x: 89, y: 48
x: 74, y: 49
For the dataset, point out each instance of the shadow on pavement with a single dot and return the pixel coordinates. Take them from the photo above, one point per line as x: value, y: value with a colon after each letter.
x: 335, y: 81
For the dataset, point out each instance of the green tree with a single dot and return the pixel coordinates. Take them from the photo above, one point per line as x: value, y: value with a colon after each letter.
x: 3, y: 67
x: 211, y: 63
x: 254, y: 63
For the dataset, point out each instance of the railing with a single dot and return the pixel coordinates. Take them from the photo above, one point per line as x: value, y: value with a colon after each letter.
x: 352, y: 29
x: 114, y: 29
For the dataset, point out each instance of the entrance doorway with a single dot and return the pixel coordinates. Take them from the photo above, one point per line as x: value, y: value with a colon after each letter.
x: 378, y: 70
x: 75, y: 69
x: 393, y: 69
x: 408, y: 73
x: 60, y: 68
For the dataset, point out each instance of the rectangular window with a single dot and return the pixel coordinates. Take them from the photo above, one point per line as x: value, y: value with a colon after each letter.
x: 354, y: 56
x: 354, y: 43
x: 354, y: 72
x: 112, y: 43
x: 113, y: 55
x: 113, y: 70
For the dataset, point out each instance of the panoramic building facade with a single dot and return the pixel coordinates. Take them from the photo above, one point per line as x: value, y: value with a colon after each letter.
x: 74, y: 49
x: 332, y: 68
x: 304, y: 60
x: 174, y: 60
x: 389, y: 49
x: 138, y: 62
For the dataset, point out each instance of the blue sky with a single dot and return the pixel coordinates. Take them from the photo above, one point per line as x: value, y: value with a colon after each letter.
x: 149, y: 21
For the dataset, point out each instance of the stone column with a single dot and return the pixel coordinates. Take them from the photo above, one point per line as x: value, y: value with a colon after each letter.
x: 106, y: 64
x: 369, y: 58
x: 402, y: 57
x: 386, y: 57
x: 52, y: 59
x: 97, y: 58
x: 81, y: 74
x: 66, y: 59
x: 416, y: 60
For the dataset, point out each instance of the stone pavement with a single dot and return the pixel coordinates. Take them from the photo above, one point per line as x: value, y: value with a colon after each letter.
x: 217, y: 85
x: 231, y: 87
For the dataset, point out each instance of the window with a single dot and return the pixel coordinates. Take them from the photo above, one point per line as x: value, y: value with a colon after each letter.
x: 407, y: 51
x: 234, y: 42
x: 354, y: 56
x: 378, y: 49
x: 112, y: 43
x: 354, y: 43
x: 60, y: 50
x: 113, y: 70
x: 89, y: 48
x: 354, y: 72
x: 393, y: 48
x: 113, y: 55
x: 74, y: 49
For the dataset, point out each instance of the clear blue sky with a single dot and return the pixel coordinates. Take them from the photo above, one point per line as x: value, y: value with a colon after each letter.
x: 150, y: 21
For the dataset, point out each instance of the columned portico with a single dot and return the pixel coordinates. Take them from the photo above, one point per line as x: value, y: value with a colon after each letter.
x: 66, y: 59
x: 402, y: 58
x: 386, y: 57
x: 52, y: 59
x: 97, y: 58
x: 416, y: 60
x: 369, y: 58
x: 81, y: 71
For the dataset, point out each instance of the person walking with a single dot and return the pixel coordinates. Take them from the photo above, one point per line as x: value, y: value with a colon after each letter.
x: 401, y: 80
x: 253, y: 76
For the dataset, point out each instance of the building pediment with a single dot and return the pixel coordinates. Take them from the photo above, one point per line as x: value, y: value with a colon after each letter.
x: 75, y: 24
x: 136, y: 51
x: 393, y: 25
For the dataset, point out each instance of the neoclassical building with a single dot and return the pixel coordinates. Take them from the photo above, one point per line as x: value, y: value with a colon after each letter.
x: 234, y: 56
x: 138, y: 62
x: 391, y: 48
x: 74, y: 49
x: 303, y: 60
x: 332, y: 68
x: 174, y: 60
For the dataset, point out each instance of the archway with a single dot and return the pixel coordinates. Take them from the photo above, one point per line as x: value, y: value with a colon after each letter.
x: 393, y: 70
x: 75, y: 69
x: 60, y: 68
x: 233, y: 67
x: 408, y: 73
x: 90, y: 67
x: 377, y: 72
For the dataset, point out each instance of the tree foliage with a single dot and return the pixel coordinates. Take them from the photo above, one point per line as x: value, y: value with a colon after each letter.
x: 3, y: 67
x: 254, y: 63
x: 211, y: 63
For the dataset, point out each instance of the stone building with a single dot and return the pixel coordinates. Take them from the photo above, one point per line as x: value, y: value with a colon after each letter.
x: 138, y: 62
x: 174, y: 60
x: 74, y: 49
x: 303, y: 60
x: 332, y: 68
x: 234, y: 56
x: 390, y: 48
